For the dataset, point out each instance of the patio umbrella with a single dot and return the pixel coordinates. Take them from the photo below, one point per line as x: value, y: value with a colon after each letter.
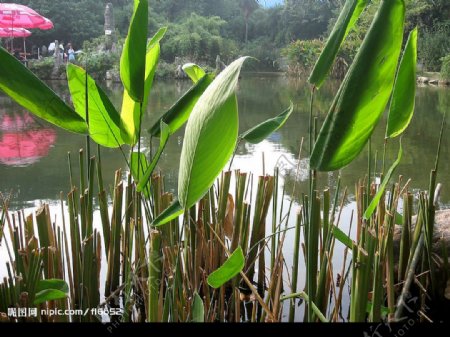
x: 20, y: 16
x: 14, y: 32
x: 14, y: 15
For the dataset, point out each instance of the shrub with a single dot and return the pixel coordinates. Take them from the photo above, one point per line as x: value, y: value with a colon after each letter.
x: 445, y: 68
x: 44, y: 67
x: 302, y: 55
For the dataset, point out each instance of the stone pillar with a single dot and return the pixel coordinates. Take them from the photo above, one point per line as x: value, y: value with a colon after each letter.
x: 110, y: 26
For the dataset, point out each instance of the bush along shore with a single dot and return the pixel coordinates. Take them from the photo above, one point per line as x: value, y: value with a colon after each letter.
x: 207, y: 253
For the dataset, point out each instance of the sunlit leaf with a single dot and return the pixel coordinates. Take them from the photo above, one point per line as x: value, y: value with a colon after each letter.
x: 232, y: 266
x: 104, y: 120
x: 261, y: 131
x: 34, y: 95
x: 165, y: 134
x: 342, y: 237
x: 170, y: 213
x: 376, y: 199
x: 131, y: 110
x: 198, y: 310
x: 347, y: 19
x: 403, y: 96
x: 179, y: 113
x: 194, y: 72
x: 132, y: 61
x: 49, y: 290
x: 210, y: 136
x: 364, y: 93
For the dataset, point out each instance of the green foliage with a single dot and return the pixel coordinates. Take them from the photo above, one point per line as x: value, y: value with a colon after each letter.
x: 434, y: 45
x: 445, y: 69
x: 210, y: 136
x: 104, y: 120
x: 364, y: 92
x: 27, y: 90
x: 43, y: 68
x: 302, y: 55
x: 261, y: 131
x: 403, y: 96
x: 232, y: 266
x: 199, y: 39
x: 347, y: 19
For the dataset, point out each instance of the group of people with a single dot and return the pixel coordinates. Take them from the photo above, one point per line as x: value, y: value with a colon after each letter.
x: 67, y: 53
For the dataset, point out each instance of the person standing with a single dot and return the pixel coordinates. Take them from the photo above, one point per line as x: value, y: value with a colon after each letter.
x: 71, y: 53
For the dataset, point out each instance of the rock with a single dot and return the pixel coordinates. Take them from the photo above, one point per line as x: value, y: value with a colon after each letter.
x: 444, y: 82
x: 219, y: 65
x: 433, y: 81
x: 441, y: 233
x: 422, y: 79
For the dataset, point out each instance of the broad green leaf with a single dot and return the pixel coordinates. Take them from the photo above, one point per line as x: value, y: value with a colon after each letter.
x: 376, y: 199
x: 156, y: 38
x: 104, y: 120
x: 261, y: 131
x: 51, y: 289
x: 57, y: 284
x: 210, y: 136
x: 194, y: 72
x: 26, y: 89
x: 345, y: 22
x: 198, y: 310
x: 165, y: 134
x: 138, y: 165
x: 48, y: 295
x: 342, y: 237
x: 131, y: 110
x: 232, y: 266
x: 179, y: 113
x: 403, y: 96
x: 132, y: 61
x: 172, y: 212
x: 364, y: 93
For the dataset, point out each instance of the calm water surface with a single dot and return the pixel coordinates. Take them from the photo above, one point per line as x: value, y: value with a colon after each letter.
x: 33, y: 154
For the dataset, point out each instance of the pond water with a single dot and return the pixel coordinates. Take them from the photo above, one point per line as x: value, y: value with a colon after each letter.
x: 33, y: 154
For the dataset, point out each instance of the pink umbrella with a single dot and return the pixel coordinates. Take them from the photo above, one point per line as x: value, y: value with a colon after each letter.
x: 14, y: 32
x: 14, y: 15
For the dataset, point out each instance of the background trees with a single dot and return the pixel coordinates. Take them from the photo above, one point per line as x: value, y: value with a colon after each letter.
x: 202, y: 29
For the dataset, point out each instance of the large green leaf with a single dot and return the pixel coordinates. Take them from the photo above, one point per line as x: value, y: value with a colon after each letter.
x: 131, y: 110
x: 170, y: 213
x: 349, y: 14
x: 210, y: 136
x: 194, y: 72
x: 364, y: 93
x: 403, y: 96
x: 232, y: 266
x: 261, y: 131
x: 104, y: 120
x: 51, y: 289
x: 34, y: 95
x: 198, y: 309
x: 376, y: 199
x: 179, y: 113
x: 132, y: 61
x: 165, y: 134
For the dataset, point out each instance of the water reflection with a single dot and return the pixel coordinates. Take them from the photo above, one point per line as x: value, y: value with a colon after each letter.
x: 260, y: 97
x: 22, y: 140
